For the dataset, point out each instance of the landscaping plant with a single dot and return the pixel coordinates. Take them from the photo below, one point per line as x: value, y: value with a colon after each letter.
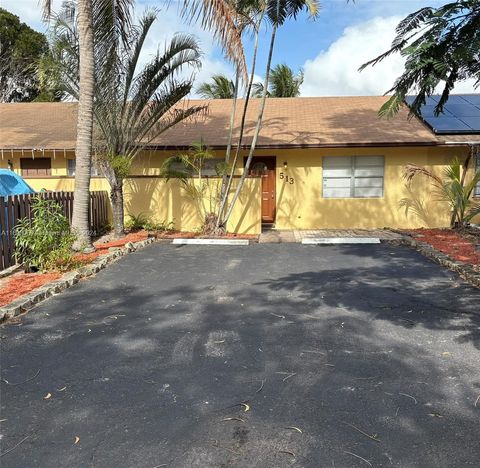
x: 452, y: 188
x: 134, y: 102
x: 204, y: 191
x: 45, y: 241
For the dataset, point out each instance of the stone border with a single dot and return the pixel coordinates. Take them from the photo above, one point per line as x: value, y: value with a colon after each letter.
x: 467, y: 272
x: 26, y: 302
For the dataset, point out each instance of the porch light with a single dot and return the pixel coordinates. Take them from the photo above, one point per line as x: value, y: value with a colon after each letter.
x: 285, y: 165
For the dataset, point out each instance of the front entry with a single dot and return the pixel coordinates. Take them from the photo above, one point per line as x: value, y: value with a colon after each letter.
x: 265, y: 167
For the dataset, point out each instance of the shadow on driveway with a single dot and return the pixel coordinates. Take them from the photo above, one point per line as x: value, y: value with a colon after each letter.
x: 372, y: 352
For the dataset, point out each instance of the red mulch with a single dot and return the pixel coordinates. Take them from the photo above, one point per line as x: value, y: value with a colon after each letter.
x: 450, y: 243
x: 22, y: 283
x: 102, y: 247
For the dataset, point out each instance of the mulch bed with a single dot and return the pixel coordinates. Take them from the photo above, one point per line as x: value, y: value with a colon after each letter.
x: 462, y: 246
x: 22, y: 283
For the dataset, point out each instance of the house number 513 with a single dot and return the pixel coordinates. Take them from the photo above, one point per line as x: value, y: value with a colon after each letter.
x: 288, y: 180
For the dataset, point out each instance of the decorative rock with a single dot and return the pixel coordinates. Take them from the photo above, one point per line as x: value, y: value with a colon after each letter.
x: 466, y: 271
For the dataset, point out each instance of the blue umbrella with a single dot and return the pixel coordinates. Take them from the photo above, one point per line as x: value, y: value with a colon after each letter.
x: 13, y: 184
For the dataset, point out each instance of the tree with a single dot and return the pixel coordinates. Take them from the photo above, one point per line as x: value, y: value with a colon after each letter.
x: 441, y: 47
x: 20, y: 48
x: 254, y: 11
x: 133, y: 105
x: 87, y: 11
x: 283, y: 83
x: 277, y: 12
x: 221, y: 87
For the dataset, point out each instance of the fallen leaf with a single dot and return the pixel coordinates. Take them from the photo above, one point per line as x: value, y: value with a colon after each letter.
x: 293, y: 428
x: 446, y: 353
x: 246, y: 407
x: 77, y: 440
x: 47, y: 396
x: 61, y: 389
x: 233, y: 419
x: 435, y: 415
x: 288, y: 452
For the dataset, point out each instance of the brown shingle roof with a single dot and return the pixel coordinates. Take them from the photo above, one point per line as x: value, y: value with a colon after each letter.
x: 288, y: 122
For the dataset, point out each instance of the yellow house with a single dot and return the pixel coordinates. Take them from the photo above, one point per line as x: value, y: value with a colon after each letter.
x: 320, y: 163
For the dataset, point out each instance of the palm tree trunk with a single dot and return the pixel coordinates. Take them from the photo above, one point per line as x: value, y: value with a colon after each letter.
x: 116, y: 197
x: 223, y: 187
x: 257, y: 128
x: 80, y: 222
x: 223, y: 202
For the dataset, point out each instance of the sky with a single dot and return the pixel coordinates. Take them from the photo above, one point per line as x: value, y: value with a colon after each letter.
x: 329, y: 50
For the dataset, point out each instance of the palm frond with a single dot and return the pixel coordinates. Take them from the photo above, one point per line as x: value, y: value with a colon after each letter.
x: 220, y: 17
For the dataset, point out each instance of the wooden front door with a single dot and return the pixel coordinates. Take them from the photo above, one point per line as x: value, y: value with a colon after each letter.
x: 265, y: 167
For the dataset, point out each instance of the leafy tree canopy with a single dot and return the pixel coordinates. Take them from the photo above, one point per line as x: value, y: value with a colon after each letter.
x: 441, y: 47
x: 20, y: 48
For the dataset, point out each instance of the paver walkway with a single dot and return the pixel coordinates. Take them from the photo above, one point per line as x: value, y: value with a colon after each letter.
x: 259, y: 356
x: 273, y: 236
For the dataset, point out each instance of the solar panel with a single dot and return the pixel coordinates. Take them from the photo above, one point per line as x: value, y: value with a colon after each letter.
x: 461, y: 113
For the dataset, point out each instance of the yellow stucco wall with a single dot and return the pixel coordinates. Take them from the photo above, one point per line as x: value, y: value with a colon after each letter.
x: 169, y: 201
x: 299, y: 205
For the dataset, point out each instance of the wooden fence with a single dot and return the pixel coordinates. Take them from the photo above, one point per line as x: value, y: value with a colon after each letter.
x: 19, y: 206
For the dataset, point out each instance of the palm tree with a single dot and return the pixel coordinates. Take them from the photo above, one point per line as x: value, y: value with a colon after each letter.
x: 220, y: 88
x: 277, y: 12
x: 283, y: 83
x: 452, y: 188
x: 87, y: 9
x: 132, y: 106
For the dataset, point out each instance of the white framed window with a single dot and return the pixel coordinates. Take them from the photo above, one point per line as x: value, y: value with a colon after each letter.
x: 353, y: 176
x: 71, y: 168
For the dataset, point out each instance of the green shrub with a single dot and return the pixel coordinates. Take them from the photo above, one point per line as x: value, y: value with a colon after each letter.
x: 136, y: 222
x: 45, y: 241
x: 141, y: 221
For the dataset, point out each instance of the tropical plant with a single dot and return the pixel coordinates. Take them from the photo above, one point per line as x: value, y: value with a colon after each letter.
x: 441, y: 47
x: 142, y: 221
x: 133, y: 104
x: 88, y: 10
x: 283, y: 83
x: 45, y: 241
x: 204, y: 191
x: 452, y: 188
x: 20, y: 48
x: 221, y: 87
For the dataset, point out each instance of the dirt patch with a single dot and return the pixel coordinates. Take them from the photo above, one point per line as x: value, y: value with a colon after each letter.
x: 458, y: 245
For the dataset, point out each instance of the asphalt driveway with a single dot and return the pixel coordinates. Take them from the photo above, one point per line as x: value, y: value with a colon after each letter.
x: 342, y: 357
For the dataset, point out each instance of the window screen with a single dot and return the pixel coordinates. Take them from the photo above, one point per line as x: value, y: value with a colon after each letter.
x: 71, y: 168
x: 353, y: 176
